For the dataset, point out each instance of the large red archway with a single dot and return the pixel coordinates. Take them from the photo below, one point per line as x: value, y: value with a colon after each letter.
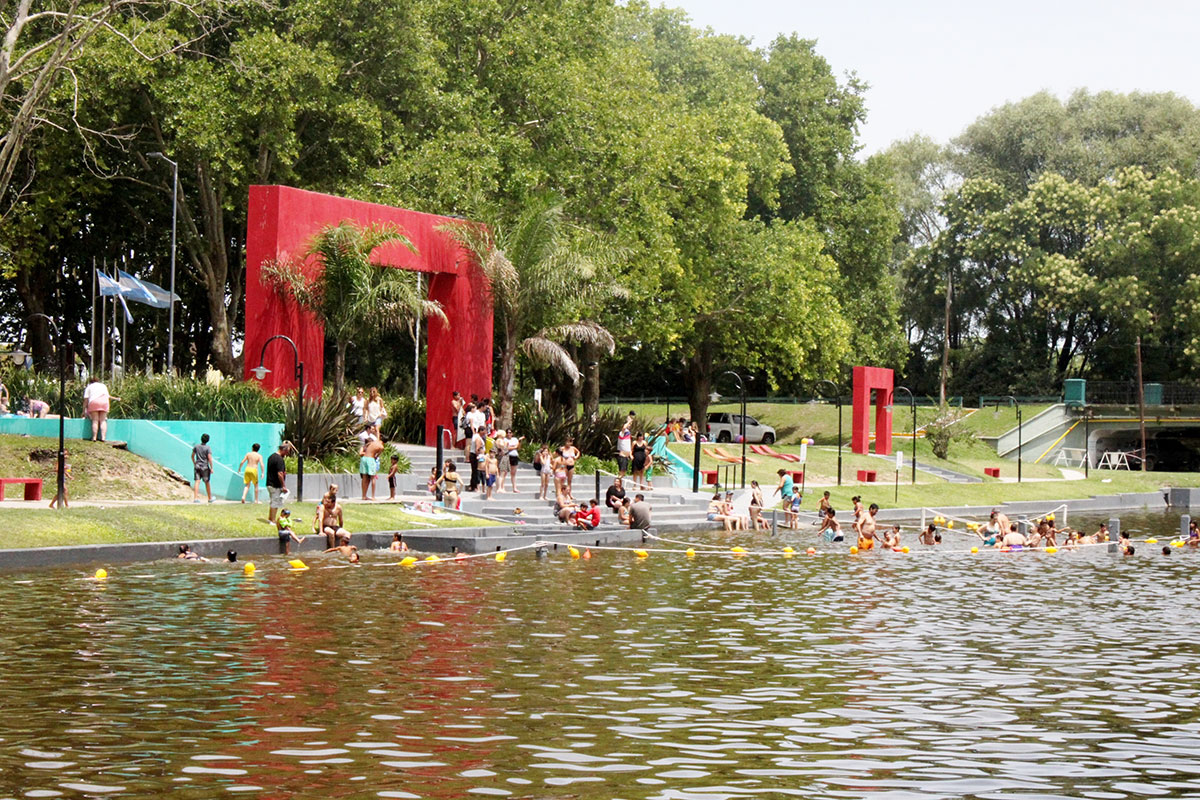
x: 282, y: 220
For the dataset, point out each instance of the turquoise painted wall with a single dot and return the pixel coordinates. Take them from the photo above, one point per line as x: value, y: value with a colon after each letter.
x: 169, y: 443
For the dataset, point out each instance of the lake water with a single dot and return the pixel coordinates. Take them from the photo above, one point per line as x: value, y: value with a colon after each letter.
x: 884, y: 676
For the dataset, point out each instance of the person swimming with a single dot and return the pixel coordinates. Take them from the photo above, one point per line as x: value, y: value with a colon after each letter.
x: 348, y: 550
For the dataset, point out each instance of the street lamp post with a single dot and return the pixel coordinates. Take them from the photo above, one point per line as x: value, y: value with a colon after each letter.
x: 60, y: 497
x: 1020, y: 433
x: 742, y: 389
x: 174, y: 217
x: 260, y: 372
x: 838, y: 396
x: 912, y: 401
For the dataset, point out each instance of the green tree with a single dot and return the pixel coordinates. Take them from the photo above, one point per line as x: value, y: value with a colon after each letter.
x: 542, y: 284
x: 349, y: 294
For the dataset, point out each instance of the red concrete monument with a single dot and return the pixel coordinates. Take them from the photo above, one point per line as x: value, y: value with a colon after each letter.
x: 281, y: 222
x: 880, y: 381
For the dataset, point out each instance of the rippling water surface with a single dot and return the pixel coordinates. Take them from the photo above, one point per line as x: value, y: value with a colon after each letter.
x: 1031, y: 676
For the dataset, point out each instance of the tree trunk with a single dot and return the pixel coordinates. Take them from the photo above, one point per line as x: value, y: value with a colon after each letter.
x: 697, y: 375
x: 339, y: 367
x: 591, y: 381
x: 508, y: 375
x: 33, y: 296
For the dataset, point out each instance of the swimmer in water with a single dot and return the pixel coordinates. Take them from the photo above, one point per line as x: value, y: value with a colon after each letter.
x: 1014, y: 540
x: 1102, y: 535
x: 398, y: 544
x: 866, y: 528
x: 186, y: 552
x: 348, y: 550
x: 927, y: 535
x: 891, y: 539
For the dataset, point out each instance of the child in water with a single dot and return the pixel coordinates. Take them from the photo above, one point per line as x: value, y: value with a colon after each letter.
x: 283, y: 524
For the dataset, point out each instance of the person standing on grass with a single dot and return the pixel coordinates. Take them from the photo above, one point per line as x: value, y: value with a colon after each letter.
x: 96, y: 401
x: 252, y: 462
x: 202, y: 461
x: 368, y: 464
x: 276, y: 475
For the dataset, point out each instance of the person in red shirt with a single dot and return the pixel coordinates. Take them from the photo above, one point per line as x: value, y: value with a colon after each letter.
x: 589, y: 518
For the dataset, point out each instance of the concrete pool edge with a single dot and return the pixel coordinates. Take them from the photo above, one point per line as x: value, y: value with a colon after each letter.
x: 479, y: 539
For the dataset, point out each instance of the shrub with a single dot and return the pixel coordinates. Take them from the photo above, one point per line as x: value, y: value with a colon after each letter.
x: 328, y: 425
x: 596, y: 437
x: 942, y: 432
x: 405, y: 421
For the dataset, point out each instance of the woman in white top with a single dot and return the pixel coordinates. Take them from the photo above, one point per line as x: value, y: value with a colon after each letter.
x: 96, y: 403
x: 375, y: 410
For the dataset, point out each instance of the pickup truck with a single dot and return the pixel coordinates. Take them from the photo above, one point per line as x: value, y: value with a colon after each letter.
x: 728, y: 427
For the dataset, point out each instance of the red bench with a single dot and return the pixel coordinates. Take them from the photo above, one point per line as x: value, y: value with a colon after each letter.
x: 866, y: 476
x: 710, y: 477
x: 33, y: 487
x: 992, y: 472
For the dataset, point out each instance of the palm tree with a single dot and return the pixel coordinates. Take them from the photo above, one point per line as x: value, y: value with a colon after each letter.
x: 538, y: 278
x: 350, y: 295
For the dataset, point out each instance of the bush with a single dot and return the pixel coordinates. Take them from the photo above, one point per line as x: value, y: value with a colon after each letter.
x: 328, y: 425
x: 596, y: 437
x: 405, y: 421
x: 942, y: 432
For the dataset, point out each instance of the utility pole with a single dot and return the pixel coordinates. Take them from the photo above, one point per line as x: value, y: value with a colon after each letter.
x: 946, y: 339
x: 1141, y: 401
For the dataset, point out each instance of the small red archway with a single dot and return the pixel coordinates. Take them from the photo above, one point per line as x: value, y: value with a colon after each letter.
x: 880, y: 380
x: 280, y: 223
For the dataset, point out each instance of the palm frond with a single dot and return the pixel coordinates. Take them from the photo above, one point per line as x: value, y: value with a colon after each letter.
x: 583, y: 332
x: 552, y: 354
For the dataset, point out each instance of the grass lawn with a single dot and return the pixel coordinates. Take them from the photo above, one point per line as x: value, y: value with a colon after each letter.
x: 42, y: 527
x: 970, y: 458
x: 98, y: 471
x: 794, y: 421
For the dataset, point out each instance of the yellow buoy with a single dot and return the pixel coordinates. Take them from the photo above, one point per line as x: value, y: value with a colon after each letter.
x: 408, y: 561
x: 432, y: 559
x: 904, y: 549
x: 974, y: 549
x: 297, y: 565
x: 1050, y: 517
x: 574, y: 552
x: 1152, y: 541
x: 737, y: 551
x: 853, y: 549
x: 788, y: 550
x: 950, y: 524
x: 249, y: 568
x: 101, y: 574
x: 501, y: 555
x: 1051, y: 549
x: 641, y: 554
x: 690, y: 553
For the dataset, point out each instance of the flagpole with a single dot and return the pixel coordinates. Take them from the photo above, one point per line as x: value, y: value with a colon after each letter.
x: 124, y: 324
x: 92, y: 350
x: 104, y: 332
x: 116, y: 325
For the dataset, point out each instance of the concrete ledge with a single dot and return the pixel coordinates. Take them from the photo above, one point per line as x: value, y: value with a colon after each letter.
x: 1129, y: 501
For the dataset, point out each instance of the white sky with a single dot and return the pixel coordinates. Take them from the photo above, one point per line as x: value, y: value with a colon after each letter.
x: 934, y: 66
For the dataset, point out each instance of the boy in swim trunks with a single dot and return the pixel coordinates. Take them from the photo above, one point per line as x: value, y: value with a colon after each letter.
x: 392, y: 477
x: 252, y: 464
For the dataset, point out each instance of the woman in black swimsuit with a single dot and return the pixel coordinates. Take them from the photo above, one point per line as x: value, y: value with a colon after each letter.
x: 641, y: 460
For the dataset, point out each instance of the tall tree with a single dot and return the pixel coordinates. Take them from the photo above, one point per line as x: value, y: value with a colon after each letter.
x: 543, y: 284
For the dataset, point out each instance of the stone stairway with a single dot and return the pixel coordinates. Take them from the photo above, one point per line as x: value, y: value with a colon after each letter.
x: 671, y: 509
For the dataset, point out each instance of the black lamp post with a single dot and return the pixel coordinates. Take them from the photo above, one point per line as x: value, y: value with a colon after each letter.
x: 742, y: 389
x: 260, y: 372
x: 912, y: 401
x: 1017, y: 406
x: 59, y: 499
x: 838, y: 395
